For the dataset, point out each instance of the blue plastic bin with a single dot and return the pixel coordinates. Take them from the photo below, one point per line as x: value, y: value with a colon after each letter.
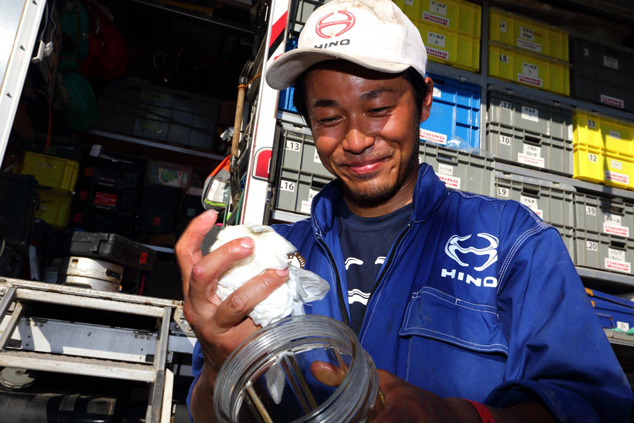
x: 613, y: 312
x: 285, y: 102
x: 454, y: 120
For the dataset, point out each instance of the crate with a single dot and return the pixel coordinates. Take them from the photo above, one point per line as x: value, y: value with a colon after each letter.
x: 603, y: 251
x: 50, y: 171
x: 295, y: 190
x: 595, y: 131
x: 551, y: 201
x: 530, y: 133
x: 159, y: 113
x: 94, y: 219
x: 533, y: 70
x: 568, y: 237
x: 111, y: 173
x: 454, y: 119
x: 456, y: 15
x: 54, y: 206
x: 285, y: 102
x: 168, y: 174
x: 451, y: 47
x: 612, y: 311
x: 299, y: 153
x: 602, y: 74
x: 460, y: 170
x: 608, y: 215
x: 528, y: 34
x: 107, y: 197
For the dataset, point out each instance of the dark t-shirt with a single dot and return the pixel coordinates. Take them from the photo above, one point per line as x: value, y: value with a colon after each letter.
x: 365, y: 242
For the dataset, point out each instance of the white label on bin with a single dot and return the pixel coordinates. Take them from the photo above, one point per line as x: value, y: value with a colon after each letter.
x: 611, y: 62
x: 612, y: 101
x: 530, y: 69
x: 532, y: 150
x: 431, y: 136
x: 615, y: 134
x: 503, y: 25
x: 592, y: 124
x: 592, y: 246
x: 293, y: 145
x: 531, y: 80
x: 504, y: 139
x: 437, y: 53
x: 615, y: 164
x: 506, y: 105
x: 617, y: 177
x: 616, y: 229
x: 616, y: 254
x: 531, y: 203
x: 504, y: 58
x: 436, y: 92
x: 530, y: 113
x: 503, y: 192
x: 527, y: 33
x: 287, y: 186
x: 529, y: 45
x: 445, y: 169
x: 530, y: 160
x: 450, y: 181
x: 316, y: 157
x: 306, y: 204
x: 438, y: 7
x: 586, y: 51
x: 613, y: 218
x: 624, y: 326
x: 435, y: 19
x: 593, y: 158
x: 591, y: 211
x: 435, y: 39
x: 621, y: 266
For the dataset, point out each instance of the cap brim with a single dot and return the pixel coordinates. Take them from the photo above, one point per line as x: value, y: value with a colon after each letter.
x: 285, y: 69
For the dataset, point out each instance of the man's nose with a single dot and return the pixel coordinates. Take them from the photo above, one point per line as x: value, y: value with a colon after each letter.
x: 356, y: 139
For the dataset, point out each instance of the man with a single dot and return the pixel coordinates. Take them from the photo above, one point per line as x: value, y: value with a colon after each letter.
x: 460, y: 299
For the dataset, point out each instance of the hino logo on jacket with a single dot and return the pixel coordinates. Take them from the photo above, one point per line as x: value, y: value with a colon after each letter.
x: 460, y: 250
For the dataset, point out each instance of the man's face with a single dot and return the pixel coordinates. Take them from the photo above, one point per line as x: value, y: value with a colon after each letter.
x: 366, y: 125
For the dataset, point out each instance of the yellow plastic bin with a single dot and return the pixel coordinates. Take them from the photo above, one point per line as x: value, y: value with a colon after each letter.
x: 50, y: 171
x: 451, y: 47
x: 456, y: 15
x: 588, y: 164
x: 534, y: 70
x: 54, y: 206
x: 619, y: 171
x: 614, y: 136
x: 528, y: 34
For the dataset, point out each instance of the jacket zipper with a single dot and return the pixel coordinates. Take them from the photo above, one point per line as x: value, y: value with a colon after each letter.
x: 342, y: 303
x: 382, y: 275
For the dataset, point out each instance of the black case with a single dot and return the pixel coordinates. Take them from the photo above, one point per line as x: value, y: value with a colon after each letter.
x: 17, y: 202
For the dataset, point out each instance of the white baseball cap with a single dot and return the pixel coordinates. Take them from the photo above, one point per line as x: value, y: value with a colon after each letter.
x: 374, y: 34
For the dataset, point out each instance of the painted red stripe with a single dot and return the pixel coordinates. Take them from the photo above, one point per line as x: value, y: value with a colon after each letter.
x: 278, y: 28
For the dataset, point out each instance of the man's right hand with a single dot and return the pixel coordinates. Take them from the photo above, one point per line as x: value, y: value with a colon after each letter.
x: 220, y: 326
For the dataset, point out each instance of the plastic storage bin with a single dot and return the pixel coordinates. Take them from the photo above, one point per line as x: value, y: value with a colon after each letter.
x: 530, y: 133
x: 528, y: 34
x: 451, y: 47
x: 50, y: 171
x: 299, y: 153
x: 102, y: 196
x: 95, y: 219
x: 534, y: 70
x: 114, y: 174
x: 603, y: 251
x: 613, y: 312
x: 614, y: 215
x: 168, y: 174
x: 54, y: 206
x: 460, y: 170
x: 602, y: 74
x: 454, y: 119
x: 551, y: 201
x: 285, y: 102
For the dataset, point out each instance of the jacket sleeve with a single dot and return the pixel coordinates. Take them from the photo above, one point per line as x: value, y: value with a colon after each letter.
x: 558, y: 352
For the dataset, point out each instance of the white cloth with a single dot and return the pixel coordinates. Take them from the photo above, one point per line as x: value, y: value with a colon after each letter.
x: 271, y: 251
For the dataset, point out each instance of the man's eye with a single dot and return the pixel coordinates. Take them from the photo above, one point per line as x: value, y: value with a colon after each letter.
x: 328, y: 120
x: 379, y: 111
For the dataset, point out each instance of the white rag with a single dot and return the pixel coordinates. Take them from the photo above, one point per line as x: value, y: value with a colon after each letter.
x: 271, y: 251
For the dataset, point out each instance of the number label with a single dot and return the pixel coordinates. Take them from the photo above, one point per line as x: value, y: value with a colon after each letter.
x: 592, y: 124
x: 506, y: 105
x: 293, y: 145
x: 287, y: 186
x: 592, y: 246
x: 503, y: 25
x: 505, y: 140
x: 593, y: 158
x: 611, y: 62
x: 503, y: 192
x: 591, y: 211
x: 504, y: 58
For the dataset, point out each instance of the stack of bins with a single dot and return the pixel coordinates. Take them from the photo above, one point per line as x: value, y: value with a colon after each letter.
x: 454, y: 119
x: 530, y: 133
x: 603, y: 150
x: 56, y: 178
x: 528, y: 52
x: 450, y: 29
x: 602, y: 74
x: 604, y: 232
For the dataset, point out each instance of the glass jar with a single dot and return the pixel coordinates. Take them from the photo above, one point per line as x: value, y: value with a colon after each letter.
x: 268, y: 378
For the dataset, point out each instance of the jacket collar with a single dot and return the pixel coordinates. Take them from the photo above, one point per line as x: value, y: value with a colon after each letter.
x: 429, y: 193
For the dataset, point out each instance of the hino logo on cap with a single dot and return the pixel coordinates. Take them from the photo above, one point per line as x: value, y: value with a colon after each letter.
x: 347, y: 22
x: 455, y: 246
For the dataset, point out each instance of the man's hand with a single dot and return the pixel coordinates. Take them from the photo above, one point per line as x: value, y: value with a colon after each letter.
x: 220, y: 326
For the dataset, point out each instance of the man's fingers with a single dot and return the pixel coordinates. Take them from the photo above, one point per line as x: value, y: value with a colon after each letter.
x: 240, y: 303
x: 187, y: 248
x: 326, y: 373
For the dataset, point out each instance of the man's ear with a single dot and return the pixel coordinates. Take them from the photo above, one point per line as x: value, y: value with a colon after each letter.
x: 426, y: 106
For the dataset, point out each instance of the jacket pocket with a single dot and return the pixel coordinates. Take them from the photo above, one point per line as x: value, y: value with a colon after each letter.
x: 435, y: 315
